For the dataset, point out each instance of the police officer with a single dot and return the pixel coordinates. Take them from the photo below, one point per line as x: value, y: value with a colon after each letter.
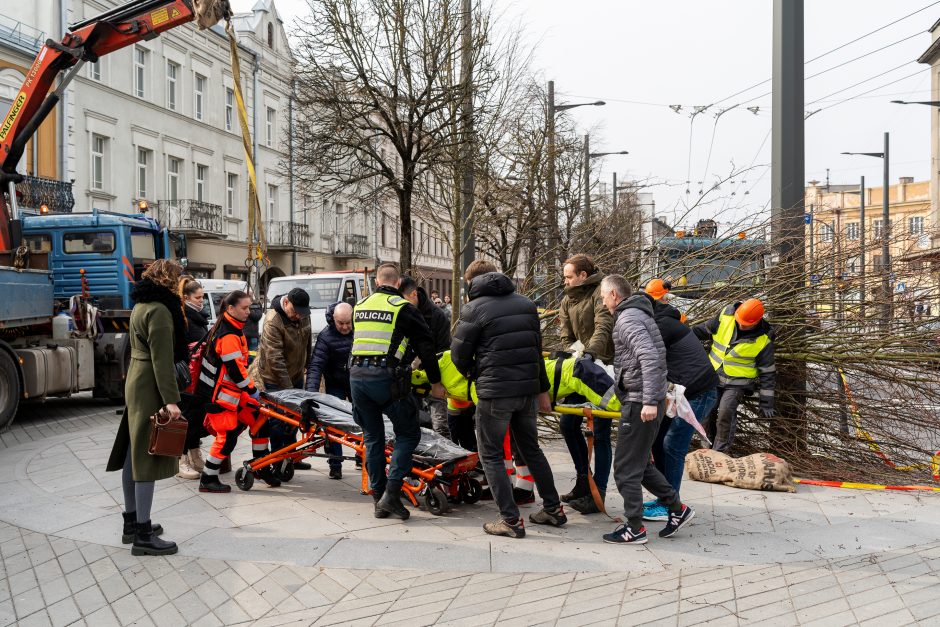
x: 387, y: 332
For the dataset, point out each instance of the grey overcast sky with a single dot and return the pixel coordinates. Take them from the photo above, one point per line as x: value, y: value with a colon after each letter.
x: 642, y: 56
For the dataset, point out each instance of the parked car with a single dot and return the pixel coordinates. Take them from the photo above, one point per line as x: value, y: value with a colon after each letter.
x: 215, y: 290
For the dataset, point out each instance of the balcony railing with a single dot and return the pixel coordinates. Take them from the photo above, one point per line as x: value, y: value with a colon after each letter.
x: 288, y: 235
x: 353, y: 246
x: 20, y: 35
x: 35, y: 191
x: 194, y: 217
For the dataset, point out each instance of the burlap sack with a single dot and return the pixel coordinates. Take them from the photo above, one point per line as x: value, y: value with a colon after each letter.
x: 761, y: 471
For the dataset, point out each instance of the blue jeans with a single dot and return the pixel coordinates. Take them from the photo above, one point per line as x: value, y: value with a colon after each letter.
x: 371, y: 397
x: 577, y: 446
x: 335, y: 448
x: 675, y: 444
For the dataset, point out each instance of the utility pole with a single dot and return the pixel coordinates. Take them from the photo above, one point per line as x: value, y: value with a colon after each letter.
x: 614, y: 196
x: 587, y: 179
x: 887, y: 288
x: 554, y: 236
x: 468, y: 242
x: 290, y: 184
x: 861, y: 252
x: 788, y: 234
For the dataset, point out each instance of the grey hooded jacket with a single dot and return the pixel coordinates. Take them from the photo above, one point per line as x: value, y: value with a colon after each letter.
x: 639, y: 353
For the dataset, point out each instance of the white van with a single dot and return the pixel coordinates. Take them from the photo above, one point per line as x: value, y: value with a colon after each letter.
x: 215, y: 290
x: 324, y: 288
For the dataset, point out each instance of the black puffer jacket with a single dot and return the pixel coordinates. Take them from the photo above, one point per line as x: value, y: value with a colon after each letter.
x: 498, y: 340
x: 330, y: 356
x: 197, y: 324
x: 686, y: 360
x: 437, y: 319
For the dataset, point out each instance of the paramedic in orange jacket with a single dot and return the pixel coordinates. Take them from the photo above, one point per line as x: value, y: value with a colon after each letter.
x: 233, y: 398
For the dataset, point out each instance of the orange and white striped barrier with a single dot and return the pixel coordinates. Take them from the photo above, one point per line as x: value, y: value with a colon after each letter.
x: 867, y: 486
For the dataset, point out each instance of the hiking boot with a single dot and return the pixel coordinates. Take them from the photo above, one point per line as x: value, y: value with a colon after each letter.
x: 358, y: 462
x: 147, y: 543
x: 211, y: 483
x: 186, y: 470
x: 226, y: 466
x: 391, y: 503
x: 522, y: 496
x: 505, y: 528
x: 554, y: 517
x: 581, y: 488
x: 336, y: 473
x: 302, y: 466
x: 624, y: 535
x: 586, y: 504
x: 269, y: 476
x: 130, y: 527
x: 677, y: 520
x: 196, y: 460
x: 379, y: 512
x: 656, y: 511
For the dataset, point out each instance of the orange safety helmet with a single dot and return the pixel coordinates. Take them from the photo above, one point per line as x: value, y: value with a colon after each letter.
x: 657, y: 288
x: 750, y: 312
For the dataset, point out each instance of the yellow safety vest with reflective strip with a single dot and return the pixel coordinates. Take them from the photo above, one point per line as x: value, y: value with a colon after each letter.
x: 738, y: 362
x: 374, y: 320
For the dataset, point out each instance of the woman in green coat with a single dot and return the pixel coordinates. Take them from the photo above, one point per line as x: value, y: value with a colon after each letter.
x: 158, y: 340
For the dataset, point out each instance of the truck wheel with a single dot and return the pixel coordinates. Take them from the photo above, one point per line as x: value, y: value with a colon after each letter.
x: 10, y: 389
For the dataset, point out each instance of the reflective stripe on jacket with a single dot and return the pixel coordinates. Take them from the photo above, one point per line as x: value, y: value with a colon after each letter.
x: 374, y: 320
x: 738, y: 361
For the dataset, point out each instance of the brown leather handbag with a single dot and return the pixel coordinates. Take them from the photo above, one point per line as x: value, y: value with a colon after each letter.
x: 167, y: 435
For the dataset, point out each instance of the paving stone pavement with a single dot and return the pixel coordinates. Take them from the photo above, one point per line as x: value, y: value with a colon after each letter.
x: 311, y: 554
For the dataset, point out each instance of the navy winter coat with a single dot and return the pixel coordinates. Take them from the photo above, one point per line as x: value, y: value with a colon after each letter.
x: 330, y: 357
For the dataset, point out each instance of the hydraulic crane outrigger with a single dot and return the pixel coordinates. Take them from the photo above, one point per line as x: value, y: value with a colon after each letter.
x: 139, y: 20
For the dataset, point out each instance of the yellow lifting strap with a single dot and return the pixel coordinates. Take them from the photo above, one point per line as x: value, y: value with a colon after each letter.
x: 257, y: 244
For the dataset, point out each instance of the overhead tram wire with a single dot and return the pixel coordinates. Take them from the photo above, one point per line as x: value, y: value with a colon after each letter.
x: 850, y: 98
x: 870, y: 78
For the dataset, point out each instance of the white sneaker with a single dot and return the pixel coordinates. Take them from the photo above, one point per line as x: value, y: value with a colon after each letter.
x: 196, y: 460
x: 187, y: 471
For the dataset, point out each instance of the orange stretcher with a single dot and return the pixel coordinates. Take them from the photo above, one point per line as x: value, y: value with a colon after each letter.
x: 441, y: 470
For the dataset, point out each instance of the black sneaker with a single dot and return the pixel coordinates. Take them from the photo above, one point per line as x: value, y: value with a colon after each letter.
x: 505, y: 528
x: 585, y: 504
x: 677, y: 520
x: 522, y: 496
x: 555, y: 517
x: 336, y: 473
x: 624, y: 535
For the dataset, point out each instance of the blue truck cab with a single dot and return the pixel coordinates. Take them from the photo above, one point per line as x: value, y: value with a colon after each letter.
x: 111, y: 248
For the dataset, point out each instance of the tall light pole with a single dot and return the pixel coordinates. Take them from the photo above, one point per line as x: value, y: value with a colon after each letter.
x: 888, y: 296
x: 551, y: 193
x: 588, y: 155
x: 467, y: 241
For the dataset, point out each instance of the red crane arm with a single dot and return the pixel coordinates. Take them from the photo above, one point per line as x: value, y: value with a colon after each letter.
x: 138, y: 20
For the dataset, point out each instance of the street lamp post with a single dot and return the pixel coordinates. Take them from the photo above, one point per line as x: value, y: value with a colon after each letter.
x: 588, y: 155
x: 551, y: 193
x: 885, y: 233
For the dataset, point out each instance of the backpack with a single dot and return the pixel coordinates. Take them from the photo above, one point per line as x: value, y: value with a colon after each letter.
x: 197, y: 351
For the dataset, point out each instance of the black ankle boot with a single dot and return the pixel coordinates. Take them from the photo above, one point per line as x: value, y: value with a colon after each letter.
x: 130, y: 527
x: 391, y: 503
x: 269, y: 476
x: 211, y: 483
x: 581, y: 488
x: 147, y: 543
x: 379, y: 512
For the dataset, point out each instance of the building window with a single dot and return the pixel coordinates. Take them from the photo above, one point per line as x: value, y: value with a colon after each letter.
x: 172, y: 73
x: 140, y: 72
x: 825, y: 233
x: 99, y: 146
x: 143, y: 163
x: 199, y: 95
x: 853, y: 265
x: 270, y: 127
x: 231, y: 185
x: 272, y: 202
x: 876, y: 261
x: 173, y: 168
x: 94, y: 70
x: 851, y: 230
x: 229, y: 108
x: 877, y: 231
x: 270, y: 36
x: 915, y: 225
x: 201, y: 172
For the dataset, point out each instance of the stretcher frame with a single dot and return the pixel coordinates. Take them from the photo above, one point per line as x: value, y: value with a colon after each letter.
x: 437, y: 485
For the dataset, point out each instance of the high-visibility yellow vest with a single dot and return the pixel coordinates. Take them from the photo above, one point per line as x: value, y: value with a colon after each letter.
x: 374, y: 320
x: 738, y: 362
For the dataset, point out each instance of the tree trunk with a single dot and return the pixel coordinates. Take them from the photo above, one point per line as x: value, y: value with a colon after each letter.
x: 405, y: 260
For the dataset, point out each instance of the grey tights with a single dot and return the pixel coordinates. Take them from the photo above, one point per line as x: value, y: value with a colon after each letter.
x: 138, y: 495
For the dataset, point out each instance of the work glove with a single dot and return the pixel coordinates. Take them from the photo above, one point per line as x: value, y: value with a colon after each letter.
x: 767, y: 406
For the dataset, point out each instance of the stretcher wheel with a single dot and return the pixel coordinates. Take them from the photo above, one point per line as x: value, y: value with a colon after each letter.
x: 285, y: 470
x: 244, y: 480
x: 436, y: 501
x: 470, y: 490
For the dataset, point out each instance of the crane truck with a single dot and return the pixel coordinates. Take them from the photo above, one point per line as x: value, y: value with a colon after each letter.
x: 66, y: 279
